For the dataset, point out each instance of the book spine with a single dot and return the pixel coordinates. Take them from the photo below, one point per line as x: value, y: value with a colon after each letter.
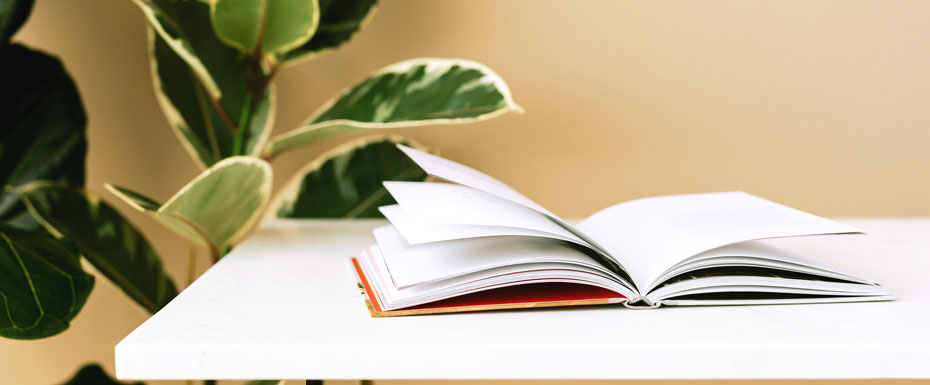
x: 641, y: 303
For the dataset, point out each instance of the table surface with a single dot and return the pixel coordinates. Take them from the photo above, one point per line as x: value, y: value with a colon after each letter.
x: 284, y: 305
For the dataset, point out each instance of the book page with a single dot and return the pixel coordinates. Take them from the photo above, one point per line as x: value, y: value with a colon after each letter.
x: 649, y: 236
x: 452, y: 204
x: 759, y: 253
x: 464, y: 175
x: 418, y: 232
x: 373, y: 263
x: 410, y: 265
x: 443, y: 203
x: 468, y: 177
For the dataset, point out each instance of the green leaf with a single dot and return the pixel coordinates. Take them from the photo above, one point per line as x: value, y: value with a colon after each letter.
x: 42, y: 127
x: 42, y: 285
x: 217, y: 207
x: 346, y: 182
x: 339, y: 21
x: 13, y: 13
x: 169, y: 18
x: 106, y: 239
x: 188, y: 105
x: 93, y: 374
x: 280, y: 24
x: 410, y: 93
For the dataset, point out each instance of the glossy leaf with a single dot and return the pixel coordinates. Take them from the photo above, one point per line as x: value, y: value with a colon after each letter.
x: 13, y: 13
x: 279, y: 24
x: 339, y: 21
x: 42, y: 285
x: 169, y: 18
x: 187, y: 104
x: 106, y: 239
x: 347, y: 181
x: 93, y: 374
x: 215, y: 208
x: 410, y: 93
x: 42, y: 127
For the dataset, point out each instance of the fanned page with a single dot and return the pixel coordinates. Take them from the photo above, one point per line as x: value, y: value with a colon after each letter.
x: 652, y: 235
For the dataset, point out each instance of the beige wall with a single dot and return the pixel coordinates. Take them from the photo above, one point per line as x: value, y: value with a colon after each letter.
x: 824, y: 105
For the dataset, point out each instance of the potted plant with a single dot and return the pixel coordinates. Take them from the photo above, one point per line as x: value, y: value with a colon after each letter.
x: 213, y: 65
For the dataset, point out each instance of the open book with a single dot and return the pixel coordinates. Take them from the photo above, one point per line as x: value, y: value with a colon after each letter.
x: 477, y: 244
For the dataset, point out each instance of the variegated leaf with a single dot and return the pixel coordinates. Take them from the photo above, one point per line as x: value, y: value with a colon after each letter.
x: 346, y: 181
x: 214, y: 209
x: 410, y: 93
x: 167, y: 17
x: 189, y: 109
x: 280, y: 24
x: 339, y: 21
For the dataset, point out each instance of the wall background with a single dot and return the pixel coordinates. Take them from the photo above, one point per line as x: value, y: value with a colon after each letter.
x: 820, y: 105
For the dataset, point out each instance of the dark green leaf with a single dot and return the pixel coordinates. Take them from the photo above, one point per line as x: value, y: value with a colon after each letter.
x: 13, y: 13
x: 42, y: 127
x: 339, y: 21
x: 415, y: 92
x: 93, y: 374
x: 42, y: 285
x: 108, y: 241
x: 188, y: 102
x: 346, y: 182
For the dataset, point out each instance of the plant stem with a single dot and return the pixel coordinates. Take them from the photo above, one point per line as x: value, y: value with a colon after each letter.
x: 267, y: 82
x: 243, y: 121
x: 218, y: 106
x: 252, y: 86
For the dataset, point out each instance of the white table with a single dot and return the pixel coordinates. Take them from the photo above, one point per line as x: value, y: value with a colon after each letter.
x: 284, y: 305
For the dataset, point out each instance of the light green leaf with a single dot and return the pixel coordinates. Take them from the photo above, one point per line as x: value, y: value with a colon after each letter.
x: 93, y: 374
x: 346, y: 182
x: 280, y: 25
x: 42, y: 127
x: 106, y: 239
x: 188, y: 107
x: 13, y: 13
x: 410, y: 93
x: 169, y: 18
x: 339, y: 21
x: 42, y: 285
x: 217, y: 207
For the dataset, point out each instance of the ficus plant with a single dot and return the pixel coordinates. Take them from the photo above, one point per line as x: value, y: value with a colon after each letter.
x: 213, y: 65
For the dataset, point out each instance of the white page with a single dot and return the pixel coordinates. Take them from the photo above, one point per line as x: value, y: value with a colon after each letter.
x: 417, y: 232
x: 648, y: 236
x: 786, y: 301
x: 444, y: 203
x: 392, y: 298
x: 467, y: 176
x: 759, y: 253
x: 416, y: 264
x: 756, y: 284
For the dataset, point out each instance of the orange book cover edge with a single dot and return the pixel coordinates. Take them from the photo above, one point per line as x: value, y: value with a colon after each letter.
x: 494, y: 299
